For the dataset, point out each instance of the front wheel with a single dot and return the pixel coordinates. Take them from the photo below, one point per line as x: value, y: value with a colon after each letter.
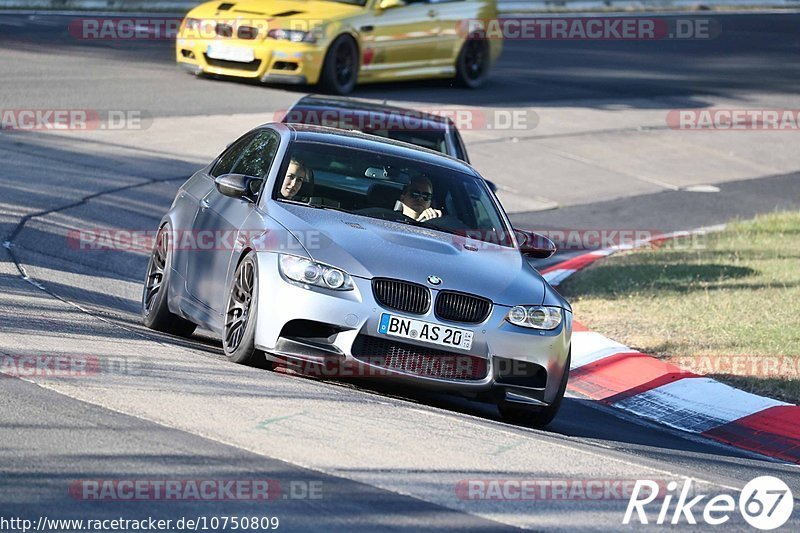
x: 340, y: 69
x: 530, y: 416
x: 239, y: 334
x: 472, y: 65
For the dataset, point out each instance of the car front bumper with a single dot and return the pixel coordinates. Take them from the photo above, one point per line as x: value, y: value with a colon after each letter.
x: 354, y: 317
x: 276, y: 61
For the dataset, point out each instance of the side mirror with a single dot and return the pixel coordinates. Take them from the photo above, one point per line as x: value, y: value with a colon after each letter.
x: 238, y: 185
x: 492, y: 185
x: 534, y: 245
x: 390, y: 4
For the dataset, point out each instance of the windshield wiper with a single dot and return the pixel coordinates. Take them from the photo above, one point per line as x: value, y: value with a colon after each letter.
x: 331, y: 207
x: 305, y: 204
x: 315, y: 206
x: 401, y: 219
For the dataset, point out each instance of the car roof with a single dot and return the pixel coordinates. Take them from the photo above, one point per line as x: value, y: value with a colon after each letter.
x: 366, y: 141
x: 365, y: 108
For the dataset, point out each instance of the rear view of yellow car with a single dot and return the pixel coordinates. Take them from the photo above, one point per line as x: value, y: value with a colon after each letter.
x: 339, y: 43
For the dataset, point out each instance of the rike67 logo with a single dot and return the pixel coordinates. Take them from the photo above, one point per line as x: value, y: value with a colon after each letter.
x: 765, y: 503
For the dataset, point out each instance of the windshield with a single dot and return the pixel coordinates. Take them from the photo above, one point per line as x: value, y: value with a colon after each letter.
x: 390, y: 188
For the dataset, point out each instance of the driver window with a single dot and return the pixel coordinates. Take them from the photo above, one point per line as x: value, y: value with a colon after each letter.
x: 256, y: 159
x: 230, y: 156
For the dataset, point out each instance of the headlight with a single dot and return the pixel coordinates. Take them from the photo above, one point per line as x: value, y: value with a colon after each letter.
x: 308, y: 272
x: 296, y: 36
x: 535, y: 316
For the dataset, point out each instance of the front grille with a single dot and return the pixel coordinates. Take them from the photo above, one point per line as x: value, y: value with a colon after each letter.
x: 224, y: 30
x: 236, y: 65
x: 419, y: 360
x: 460, y: 307
x: 402, y: 295
x: 247, y: 32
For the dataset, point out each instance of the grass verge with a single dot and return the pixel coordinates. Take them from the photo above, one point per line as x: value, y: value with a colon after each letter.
x: 726, y: 305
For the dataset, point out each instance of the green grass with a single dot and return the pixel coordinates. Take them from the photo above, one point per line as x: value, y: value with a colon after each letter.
x: 727, y: 294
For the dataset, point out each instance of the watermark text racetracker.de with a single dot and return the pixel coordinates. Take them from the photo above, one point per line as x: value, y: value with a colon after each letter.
x: 761, y: 366
x: 592, y: 239
x: 464, y: 119
x: 74, y: 119
x: 142, y: 28
x: 208, y: 489
x: 622, y: 238
x: 127, y: 28
x: 550, y: 489
x: 372, y: 366
x: 143, y: 241
x: 716, y: 119
x: 612, y: 28
x: 70, y: 366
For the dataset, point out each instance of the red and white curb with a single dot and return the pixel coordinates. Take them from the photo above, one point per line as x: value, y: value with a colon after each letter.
x: 615, y: 375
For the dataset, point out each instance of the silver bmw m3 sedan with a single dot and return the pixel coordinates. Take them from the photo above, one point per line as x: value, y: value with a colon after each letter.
x: 315, y: 246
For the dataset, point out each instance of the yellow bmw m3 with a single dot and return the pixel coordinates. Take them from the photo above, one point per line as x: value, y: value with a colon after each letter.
x: 339, y: 43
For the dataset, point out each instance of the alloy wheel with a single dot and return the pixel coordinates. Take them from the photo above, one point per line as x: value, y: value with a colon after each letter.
x: 155, y: 271
x: 474, y: 59
x: 238, y: 312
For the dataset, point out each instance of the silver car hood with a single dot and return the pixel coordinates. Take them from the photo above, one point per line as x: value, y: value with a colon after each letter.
x: 367, y: 247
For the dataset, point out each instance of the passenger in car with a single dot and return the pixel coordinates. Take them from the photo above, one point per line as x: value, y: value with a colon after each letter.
x: 298, y: 177
x: 415, y: 200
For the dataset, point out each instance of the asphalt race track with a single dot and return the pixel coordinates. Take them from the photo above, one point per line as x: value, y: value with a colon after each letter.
x: 378, y: 457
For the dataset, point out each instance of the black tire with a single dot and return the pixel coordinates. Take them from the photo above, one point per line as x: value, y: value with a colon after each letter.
x: 472, y: 64
x: 239, y: 331
x: 340, y: 69
x: 531, y: 416
x: 155, y: 310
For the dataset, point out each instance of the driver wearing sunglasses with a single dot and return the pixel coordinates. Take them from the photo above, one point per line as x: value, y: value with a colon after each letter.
x: 415, y: 200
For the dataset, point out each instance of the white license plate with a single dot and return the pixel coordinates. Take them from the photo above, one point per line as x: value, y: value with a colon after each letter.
x: 230, y: 53
x: 410, y: 328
